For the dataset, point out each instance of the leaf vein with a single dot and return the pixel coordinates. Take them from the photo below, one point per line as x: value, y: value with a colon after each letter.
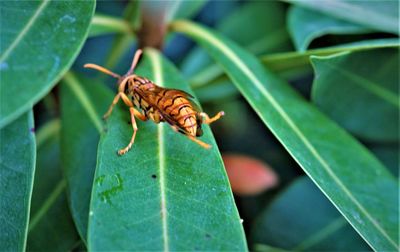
x: 24, y: 31
x: 193, y: 29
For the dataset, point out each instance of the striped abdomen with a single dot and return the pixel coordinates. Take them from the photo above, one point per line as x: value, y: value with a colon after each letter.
x: 160, y: 104
x: 180, y: 109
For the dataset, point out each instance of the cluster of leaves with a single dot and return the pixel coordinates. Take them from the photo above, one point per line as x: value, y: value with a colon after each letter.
x: 60, y: 175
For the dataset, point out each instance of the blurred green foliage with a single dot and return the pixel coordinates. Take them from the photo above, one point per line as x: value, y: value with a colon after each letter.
x: 311, y: 89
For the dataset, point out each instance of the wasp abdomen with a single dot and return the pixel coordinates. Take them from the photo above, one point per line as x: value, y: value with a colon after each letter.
x: 181, y: 110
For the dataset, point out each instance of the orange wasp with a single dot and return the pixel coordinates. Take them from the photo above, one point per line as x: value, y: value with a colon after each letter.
x: 147, y: 100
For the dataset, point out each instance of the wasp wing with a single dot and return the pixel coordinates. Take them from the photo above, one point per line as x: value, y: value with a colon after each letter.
x: 153, y: 94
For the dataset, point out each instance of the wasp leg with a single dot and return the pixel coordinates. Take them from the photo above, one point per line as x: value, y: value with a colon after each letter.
x: 130, y: 105
x: 127, y: 103
x: 140, y: 116
x: 202, y: 144
x: 209, y: 120
x: 134, y: 126
x: 115, y: 101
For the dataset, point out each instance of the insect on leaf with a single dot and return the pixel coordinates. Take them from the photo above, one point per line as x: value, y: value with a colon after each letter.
x: 167, y: 190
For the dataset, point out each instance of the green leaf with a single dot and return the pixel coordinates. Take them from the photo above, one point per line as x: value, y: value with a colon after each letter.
x: 282, y: 62
x: 167, y: 192
x: 262, y: 30
x: 292, y: 64
x: 367, y: 84
x: 83, y: 101
x: 17, y: 168
x: 267, y: 248
x: 324, y: 228
x: 122, y: 42
x: 216, y: 91
x: 105, y: 24
x: 184, y: 9
x: 39, y: 41
x: 49, y: 208
x: 389, y: 156
x: 47, y: 141
x: 318, y: 145
x: 380, y: 15
x: 306, y: 25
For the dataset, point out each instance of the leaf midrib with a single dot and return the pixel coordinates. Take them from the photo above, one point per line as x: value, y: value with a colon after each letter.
x: 158, y: 78
x: 191, y: 28
x: 53, y: 196
x: 24, y: 30
x: 321, y: 235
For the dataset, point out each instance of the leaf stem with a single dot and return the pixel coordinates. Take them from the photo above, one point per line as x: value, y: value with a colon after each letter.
x: 289, y: 60
x: 109, y: 22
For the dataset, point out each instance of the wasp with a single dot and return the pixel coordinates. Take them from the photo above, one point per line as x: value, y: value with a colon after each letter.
x: 147, y: 100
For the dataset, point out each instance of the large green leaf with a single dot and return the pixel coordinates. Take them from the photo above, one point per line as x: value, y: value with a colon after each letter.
x: 17, y: 168
x: 283, y: 224
x: 282, y: 62
x: 49, y: 209
x: 336, y: 162
x: 380, y: 15
x: 39, y: 41
x: 83, y: 102
x: 367, y: 85
x: 305, y: 25
x: 166, y: 193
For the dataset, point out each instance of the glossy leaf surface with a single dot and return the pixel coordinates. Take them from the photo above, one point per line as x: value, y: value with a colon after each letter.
x: 305, y: 25
x: 83, y: 102
x: 360, y: 91
x: 325, y: 151
x: 166, y: 191
x: 49, y: 209
x: 379, y: 15
x: 325, y: 229
x: 39, y: 41
x: 17, y: 168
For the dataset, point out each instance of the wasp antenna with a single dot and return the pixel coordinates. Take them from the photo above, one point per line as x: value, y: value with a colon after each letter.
x: 134, y: 61
x: 102, y: 69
